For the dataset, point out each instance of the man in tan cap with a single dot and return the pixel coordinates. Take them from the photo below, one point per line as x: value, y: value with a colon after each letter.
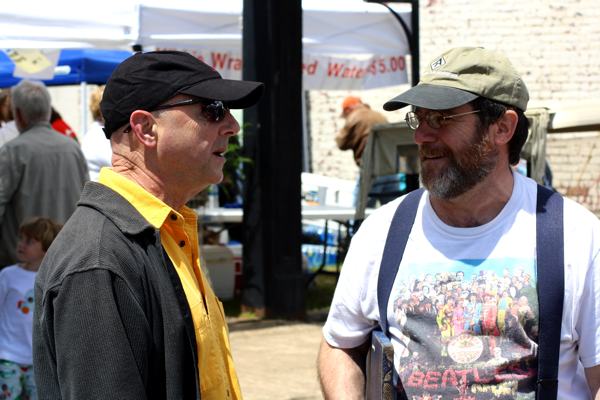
x: 434, y: 267
x: 360, y: 118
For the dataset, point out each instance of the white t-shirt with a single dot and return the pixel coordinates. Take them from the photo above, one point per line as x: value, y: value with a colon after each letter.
x: 8, y: 131
x: 16, y: 314
x: 464, y: 302
x: 96, y: 149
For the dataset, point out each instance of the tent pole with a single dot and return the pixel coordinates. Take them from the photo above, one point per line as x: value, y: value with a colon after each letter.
x: 84, y: 110
x: 274, y: 283
x: 413, y: 37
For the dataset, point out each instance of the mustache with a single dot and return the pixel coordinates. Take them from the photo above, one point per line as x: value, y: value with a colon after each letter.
x: 426, y: 151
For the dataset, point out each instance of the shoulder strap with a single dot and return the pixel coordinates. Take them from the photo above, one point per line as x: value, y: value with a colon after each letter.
x: 550, y: 276
x: 395, y: 244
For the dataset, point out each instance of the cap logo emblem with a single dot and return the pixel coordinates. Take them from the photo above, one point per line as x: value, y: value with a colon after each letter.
x: 438, y: 63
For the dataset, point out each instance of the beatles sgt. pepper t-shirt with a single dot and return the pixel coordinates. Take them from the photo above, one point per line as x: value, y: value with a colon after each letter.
x: 463, y: 310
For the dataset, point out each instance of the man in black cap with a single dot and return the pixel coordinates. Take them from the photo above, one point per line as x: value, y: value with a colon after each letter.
x: 462, y: 285
x: 123, y: 309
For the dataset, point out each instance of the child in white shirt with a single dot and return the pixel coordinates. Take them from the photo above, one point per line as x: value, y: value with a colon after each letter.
x: 16, y: 309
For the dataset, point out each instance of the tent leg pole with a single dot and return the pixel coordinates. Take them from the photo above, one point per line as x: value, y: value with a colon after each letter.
x: 84, y: 110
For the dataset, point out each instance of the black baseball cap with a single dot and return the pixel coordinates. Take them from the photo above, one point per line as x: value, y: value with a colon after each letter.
x: 145, y: 80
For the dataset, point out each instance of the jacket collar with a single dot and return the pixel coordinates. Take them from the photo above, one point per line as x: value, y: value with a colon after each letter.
x: 37, y: 126
x: 114, y: 207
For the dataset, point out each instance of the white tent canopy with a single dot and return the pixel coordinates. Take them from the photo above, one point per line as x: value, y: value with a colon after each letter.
x: 66, y: 24
x: 346, y: 45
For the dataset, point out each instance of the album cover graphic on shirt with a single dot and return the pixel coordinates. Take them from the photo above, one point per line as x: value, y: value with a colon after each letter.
x: 468, y: 329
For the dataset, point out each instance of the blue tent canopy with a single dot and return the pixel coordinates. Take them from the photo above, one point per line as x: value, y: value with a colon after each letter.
x: 79, y: 65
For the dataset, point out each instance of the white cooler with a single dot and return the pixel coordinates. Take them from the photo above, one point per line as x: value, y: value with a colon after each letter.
x: 219, y: 263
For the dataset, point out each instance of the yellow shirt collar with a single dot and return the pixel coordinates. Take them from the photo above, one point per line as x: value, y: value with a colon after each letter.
x: 154, y: 210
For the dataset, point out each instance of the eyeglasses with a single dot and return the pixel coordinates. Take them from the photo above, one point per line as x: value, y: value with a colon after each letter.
x: 213, y: 111
x: 434, y: 119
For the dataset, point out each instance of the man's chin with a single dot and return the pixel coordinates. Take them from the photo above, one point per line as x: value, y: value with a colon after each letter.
x: 441, y: 186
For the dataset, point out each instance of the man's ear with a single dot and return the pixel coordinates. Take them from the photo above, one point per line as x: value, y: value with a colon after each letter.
x: 506, y: 126
x: 143, y: 127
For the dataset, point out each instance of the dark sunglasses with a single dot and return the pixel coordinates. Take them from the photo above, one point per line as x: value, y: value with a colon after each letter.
x: 213, y: 111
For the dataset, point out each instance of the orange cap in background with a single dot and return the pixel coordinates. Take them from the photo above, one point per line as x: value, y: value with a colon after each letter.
x: 350, y: 101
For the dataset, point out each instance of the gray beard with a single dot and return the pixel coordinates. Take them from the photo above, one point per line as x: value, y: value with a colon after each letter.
x: 454, y: 181
x: 462, y: 175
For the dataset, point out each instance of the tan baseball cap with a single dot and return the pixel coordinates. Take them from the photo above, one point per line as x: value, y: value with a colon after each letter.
x: 462, y: 74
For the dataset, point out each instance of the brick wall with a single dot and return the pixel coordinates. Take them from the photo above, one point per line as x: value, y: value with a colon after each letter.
x: 576, y: 167
x: 555, y: 46
x: 325, y: 122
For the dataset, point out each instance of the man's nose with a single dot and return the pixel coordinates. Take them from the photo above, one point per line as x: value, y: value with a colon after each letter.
x: 232, y: 127
x: 425, y: 134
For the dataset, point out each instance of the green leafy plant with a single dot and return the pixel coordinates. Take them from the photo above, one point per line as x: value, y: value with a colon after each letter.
x: 233, y: 172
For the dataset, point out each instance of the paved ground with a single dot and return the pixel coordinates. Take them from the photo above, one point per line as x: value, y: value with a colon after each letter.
x: 276, y: 359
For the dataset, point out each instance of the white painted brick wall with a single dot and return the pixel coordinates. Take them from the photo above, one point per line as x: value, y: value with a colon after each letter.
x: 555, y: 46
x: 576, y: 167
x: 325, y: 122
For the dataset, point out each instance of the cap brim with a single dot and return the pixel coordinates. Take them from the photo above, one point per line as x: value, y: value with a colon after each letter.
x: 433, y: 97
x: 235, y: 94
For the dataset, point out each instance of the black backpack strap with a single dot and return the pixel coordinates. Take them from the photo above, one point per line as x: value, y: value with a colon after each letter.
x: 395, y: 244
x: 551, y: 286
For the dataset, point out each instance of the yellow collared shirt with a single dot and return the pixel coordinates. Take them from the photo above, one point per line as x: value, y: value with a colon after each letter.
x: 179, y: 237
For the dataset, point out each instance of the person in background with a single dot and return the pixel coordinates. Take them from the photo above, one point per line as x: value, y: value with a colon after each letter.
x: 59, y: 125
x: 41, y: 171
x: 16, y: 308
x: 94, y: 145
x: 8, y: 129
x: 122, y: 307
x: 360, y: 118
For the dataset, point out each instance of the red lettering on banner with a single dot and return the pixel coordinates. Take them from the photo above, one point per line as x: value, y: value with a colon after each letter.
x: 416, y: 379
x: 431, y: 380
x: 397, y: 63
x: 334, y: 69
x: 224, y: 61
x: 372, y: 68
x: 218, y: 60
x: 235, y: 64
x: 449, y: 377
x: 347, y: 72
x: 310, y: 69
x: 343, y: 71
x: 361, y: 72
x: 401, y: 63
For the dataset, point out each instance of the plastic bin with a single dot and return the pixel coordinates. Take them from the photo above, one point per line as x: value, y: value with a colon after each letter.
x: 219, y: 262
x: 236, y: 249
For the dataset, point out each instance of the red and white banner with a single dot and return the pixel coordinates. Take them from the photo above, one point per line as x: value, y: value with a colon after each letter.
x: 319, y: 71
x: 353, y: 73
x: 346, y: 45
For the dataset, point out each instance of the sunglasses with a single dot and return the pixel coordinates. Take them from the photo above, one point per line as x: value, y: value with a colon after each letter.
x: 434, y: 119
x: 213, y: 111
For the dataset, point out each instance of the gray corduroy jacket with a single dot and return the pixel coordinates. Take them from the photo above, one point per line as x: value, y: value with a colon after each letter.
x: 41, y: 175
x: 111, y: 317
